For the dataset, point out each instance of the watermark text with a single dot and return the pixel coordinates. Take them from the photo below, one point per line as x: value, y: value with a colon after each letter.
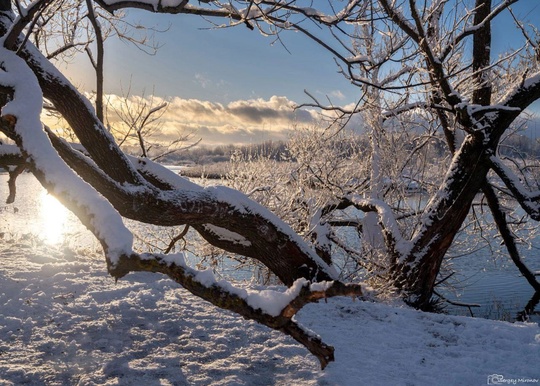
x: 498, y: 379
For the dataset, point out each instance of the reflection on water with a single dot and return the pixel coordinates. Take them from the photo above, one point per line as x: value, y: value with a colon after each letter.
x: 52, y: 219
x: 37, y: 214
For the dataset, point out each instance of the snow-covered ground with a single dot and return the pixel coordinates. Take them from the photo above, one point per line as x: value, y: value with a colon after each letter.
x: 65, y: 322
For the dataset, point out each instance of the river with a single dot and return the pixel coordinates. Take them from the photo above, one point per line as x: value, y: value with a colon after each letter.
x: 493, y: 283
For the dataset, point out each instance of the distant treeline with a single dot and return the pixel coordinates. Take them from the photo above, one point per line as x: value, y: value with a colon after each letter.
x: 206, y: 155
x: 513, y: 146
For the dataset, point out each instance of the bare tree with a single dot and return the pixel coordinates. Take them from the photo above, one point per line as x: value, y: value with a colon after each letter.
x: 446, y: 71
x: 429, y: 60
x: 137, y: 121
x: 144, y: 191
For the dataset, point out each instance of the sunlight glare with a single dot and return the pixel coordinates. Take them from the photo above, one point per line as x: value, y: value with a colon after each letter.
x: 53, y: 218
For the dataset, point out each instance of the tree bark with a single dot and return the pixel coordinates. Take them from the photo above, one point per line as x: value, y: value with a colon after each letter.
x: 442, y: 219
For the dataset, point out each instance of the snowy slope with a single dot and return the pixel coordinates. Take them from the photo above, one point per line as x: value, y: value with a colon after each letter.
x: 65, y: 322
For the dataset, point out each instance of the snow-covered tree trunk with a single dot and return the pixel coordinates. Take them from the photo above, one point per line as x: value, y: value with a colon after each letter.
x: 443, y: 216
x: 372, y: 238
x: 417, y: 270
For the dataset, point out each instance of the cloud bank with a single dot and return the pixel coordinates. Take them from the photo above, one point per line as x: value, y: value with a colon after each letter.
x: 238, y: 122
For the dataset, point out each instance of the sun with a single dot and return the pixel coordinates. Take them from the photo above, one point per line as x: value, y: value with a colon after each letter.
x: 53, y: 219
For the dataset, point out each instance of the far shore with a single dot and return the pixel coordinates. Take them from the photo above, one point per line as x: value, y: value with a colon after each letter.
x: 215, y: 171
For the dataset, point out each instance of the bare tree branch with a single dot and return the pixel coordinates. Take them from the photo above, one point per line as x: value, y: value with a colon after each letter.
x: 98, y: 63
x: 500, y: 219
x: 25, y: 17
x: 227, y: 297
x: 529, y: 201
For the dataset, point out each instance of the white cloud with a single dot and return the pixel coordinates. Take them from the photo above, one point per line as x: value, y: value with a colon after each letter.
x: 242, y: 121
x: 336, y: 94
x: 203, y: 80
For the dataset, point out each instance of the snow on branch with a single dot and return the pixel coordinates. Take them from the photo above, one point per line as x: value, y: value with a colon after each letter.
x: 524, y: 93
x: 160, y: 175
x: 397, y: 245
x: 210, y: 9
x: 403, y: 108
x: 80, y: 114
x: 167, y: 6
x: 529, y: 201
x: 180, y: 202
x: 21, y: 122
x: 272, y: 308
x: 244, y: 204
x: 344, y: 14
x: 10, y: 155
x: 26, y: 15
x: 399, y: 18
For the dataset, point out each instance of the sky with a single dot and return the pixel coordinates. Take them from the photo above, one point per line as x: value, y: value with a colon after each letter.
x: 217, y: 70
x: 222, y: 65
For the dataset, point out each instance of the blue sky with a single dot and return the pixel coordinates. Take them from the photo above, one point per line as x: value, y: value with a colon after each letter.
x: 223, y: 66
